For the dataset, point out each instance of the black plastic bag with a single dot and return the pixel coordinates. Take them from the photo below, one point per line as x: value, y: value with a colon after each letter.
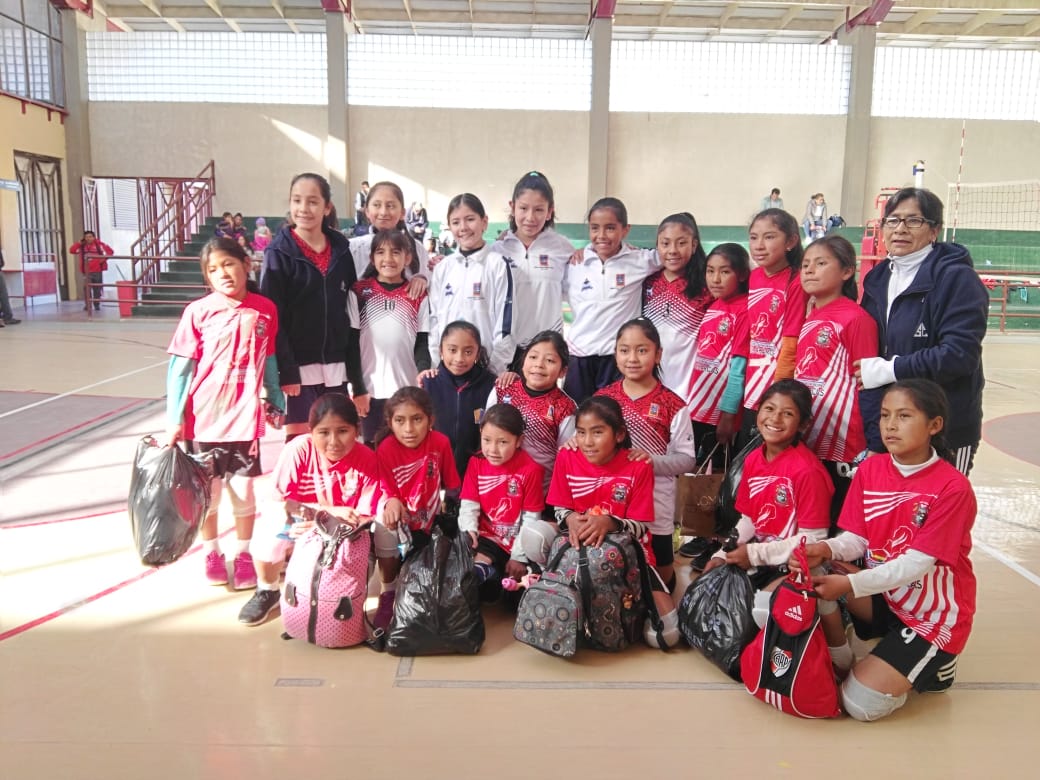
x: 726, y: 514
x: 169, y: 498
x: 715, y: 616
x: 437, y: 607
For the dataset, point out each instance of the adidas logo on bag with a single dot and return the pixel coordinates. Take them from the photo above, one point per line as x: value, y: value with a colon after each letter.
x: 795, y: 612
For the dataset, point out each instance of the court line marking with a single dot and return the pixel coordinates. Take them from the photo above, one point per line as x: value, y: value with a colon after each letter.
x: 35, y: 523
x: 1016, y: 567
x: 100, y: 418
x: 81, y: 389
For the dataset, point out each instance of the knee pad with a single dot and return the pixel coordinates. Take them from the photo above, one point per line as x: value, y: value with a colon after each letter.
x: 243, y: 497
x: 384, y: 541
x: 216, y: 488
x: 670, y: 633
x: 536, y: 539
x: 760, y: 609
x: 866, y: 704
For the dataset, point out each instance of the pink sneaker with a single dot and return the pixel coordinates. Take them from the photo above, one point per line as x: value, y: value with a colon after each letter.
x: 245, y: 574
x: 216, y: 569
x: 385, y: 611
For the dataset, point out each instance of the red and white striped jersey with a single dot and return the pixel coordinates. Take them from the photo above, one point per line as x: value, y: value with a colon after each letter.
x: 723, y: 335
x: 776, y: 308
x: 503, y: 492
x: 832, y: 338
x: 932, y: 512
x: 780, y: 496
x: 416, y: 476
x: 389, y: 322
x: 230, y: 341
x: 305, y: 475
x: 678, y: 321
x: 621, y: 487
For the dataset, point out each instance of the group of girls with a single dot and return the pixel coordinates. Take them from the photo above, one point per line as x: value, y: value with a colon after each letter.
x: 671, y: 352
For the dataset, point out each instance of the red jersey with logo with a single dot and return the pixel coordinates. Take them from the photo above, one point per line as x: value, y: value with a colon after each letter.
x: 416, y: 476
x: 503, y: 492
x: 932, y: 512
x: 832, y: 338
x: 678, y: 320
x: 723, y: 335
x: 649, y: 418
x: 389, y: 322
x: 776, y: 308
x: 230, y: 341
x: 548, y: 420
x: 620, y: 487
x: 780, y: 496
x: 304, y: 474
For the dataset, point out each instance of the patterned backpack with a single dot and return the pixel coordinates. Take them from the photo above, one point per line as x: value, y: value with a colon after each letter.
x: 326, y: 583
x: 593, y: 596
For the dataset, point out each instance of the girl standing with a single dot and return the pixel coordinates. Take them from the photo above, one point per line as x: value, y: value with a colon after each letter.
x: 658, y: 422
x: 385, y: 210
x: 776, y: 303
x: 537, y: 257
x: 675, y: 298
x: 909, y: 516
x: 473, y: 284
x: 837, y: 333
x: 717, y: 381
x: 605, y: 291
x: 501, y: 494
x: 308, y: 271
x: 222, y: 353
x: 416, y: 463
x: 393, y: 328
x: 548, y: 412
x: 459, y: 389
x: 327, y: 470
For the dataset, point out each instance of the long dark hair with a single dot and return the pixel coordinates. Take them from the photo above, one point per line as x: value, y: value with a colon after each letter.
x: 331, y: 221
x: 648, y: 329
x: 397, y: 240
x: 694, y: 271
x: 738, y: 259
x: 535, y: 182
x: 404, y: 395
x: 800, y: 396
x: 332, y: 403
x: 930, y: 398
x: 609, y: 411
x: 788, y: 225
x: 228, y: 246
x: 845, y: 254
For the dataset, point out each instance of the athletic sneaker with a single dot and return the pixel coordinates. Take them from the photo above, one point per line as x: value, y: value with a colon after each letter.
x: 385, y: 610
x: 699, y: 550
x: 216, y: 569
x: 244, y: 573
x: 260, y: 607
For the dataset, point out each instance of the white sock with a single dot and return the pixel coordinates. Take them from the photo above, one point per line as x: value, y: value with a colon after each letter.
x: 242, y: 545
x: 388, y: 586
x: 211, y: 545
x: 264, y: 585
x: 842, y: 656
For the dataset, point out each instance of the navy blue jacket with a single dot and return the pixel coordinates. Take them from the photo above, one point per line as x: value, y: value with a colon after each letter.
x: 936, y: 327
x: 458, y: 404
x: 312, y: 309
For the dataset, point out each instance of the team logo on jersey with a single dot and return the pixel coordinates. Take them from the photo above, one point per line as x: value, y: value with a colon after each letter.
x: 476, y: 289
x: 824, y: 336
x: 619, y: 280
x: 724, y: 326
x: 366, y: 292
x: 619, y: 492
x: 774, y: 304
x: 920, y: 513
x: 550, y: 413
x: 586, y: 285
x: 261, y: 327
x: 448, y: 291
x: 431, y: 469
x: 348, y: 483
x: 780, y: 661
x: 655, y: 410
x: 506, y: 399
x: 921, y: 332
x: 781, y: 495
x: 543, y: 261
x: 513, y: 487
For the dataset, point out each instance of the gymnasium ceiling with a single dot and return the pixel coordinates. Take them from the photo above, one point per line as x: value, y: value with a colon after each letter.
x: 1002, y: 24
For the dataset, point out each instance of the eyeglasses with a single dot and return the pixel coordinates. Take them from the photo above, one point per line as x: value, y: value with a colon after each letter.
x: 911, y: 222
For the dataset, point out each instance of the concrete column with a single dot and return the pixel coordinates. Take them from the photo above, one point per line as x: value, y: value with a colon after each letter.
x: 77, y: 162
x: 855, y: 200
x: 336, y: 139
x: 600, y: 33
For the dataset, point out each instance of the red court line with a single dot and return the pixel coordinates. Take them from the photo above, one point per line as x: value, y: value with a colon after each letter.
x: 73, y: 429
x: 94, y: 597
x: 34, y: 523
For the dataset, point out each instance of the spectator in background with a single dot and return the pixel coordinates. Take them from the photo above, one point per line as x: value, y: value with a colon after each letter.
x: 417, y: 221
x: 815, y: 220
x: 93, y: 262
x: 226, y: 227
x: 5, y: 301
x: 360, y: 218
x: 261, y: 235
x: 772, y: 200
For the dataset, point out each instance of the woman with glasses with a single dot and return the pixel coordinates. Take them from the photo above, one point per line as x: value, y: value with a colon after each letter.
x: 931, y: 310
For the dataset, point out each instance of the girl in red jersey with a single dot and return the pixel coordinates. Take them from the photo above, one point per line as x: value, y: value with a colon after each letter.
x: 675, y: 298
x: 719, y: 366
x: 776, y: 304
x: 222, y: 353
x: 548, y: 412
x: 501, y: 495
x: 784, y: 496
x: 837, y: 333
x: 659, y: 423
x: 328, y: 469
x: 93, y: 262
x: 416, y: 462
x: 909, y: 515
x: 393, y: 326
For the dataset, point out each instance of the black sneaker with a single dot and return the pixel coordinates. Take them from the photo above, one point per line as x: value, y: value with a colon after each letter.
x: 259, y: 608
x: 11, y: 321
x: 699, y: 550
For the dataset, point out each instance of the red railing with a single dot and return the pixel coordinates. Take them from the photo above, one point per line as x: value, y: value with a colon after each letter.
x: 129, y: 293
x: 1006, y: 282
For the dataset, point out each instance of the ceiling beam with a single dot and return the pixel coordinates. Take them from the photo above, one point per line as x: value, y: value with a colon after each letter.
x: 789, y: 17
x: 917, y: 20
x: 981, y: 19
x: 727, y: 13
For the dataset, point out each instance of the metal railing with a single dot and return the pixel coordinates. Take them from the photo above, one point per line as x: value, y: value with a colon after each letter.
x: 1007, y: 282
x: 131, y: 292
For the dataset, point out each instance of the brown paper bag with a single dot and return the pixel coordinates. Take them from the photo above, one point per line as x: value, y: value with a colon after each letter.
x: 696, y: 496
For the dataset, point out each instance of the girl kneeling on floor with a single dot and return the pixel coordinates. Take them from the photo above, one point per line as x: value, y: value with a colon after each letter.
x: 328, y: 470
x: 909, y: 515
x: 598, y: 489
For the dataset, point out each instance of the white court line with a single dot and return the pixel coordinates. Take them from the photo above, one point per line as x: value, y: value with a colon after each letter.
x: 81, y: 389
x: 1014, y: 566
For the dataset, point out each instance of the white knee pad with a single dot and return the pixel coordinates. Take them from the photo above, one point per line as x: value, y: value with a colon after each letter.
x: 536, y: 539
x: 216, y: 487
x: 866, y: 704
x: 384, y: 541
x: 760, y: 609
x: 242, y: 495
x: 670, y: 634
